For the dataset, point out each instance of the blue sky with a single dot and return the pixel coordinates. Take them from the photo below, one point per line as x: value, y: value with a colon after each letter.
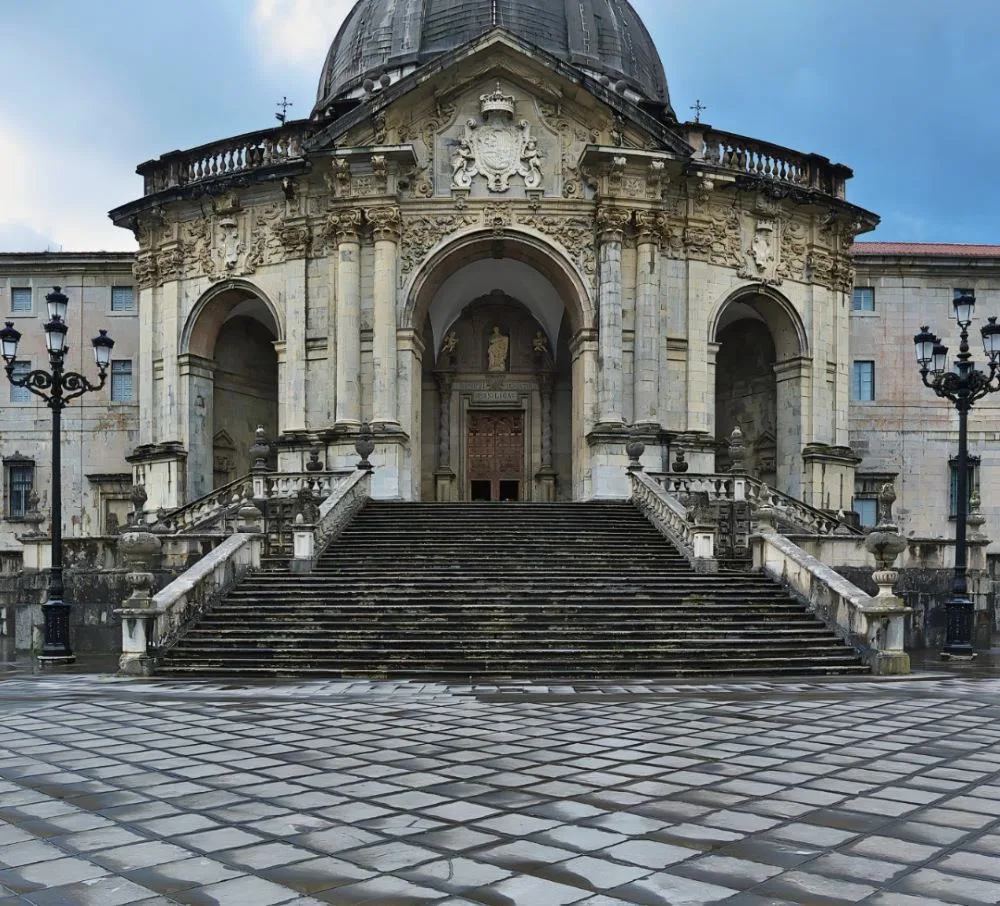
x: 900, y: 90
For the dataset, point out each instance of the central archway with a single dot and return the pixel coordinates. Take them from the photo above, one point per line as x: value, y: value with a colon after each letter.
x: 504, y: 324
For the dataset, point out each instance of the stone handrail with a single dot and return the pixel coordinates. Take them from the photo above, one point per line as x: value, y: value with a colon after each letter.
x: 335, y: 514
x: 240, y: 154
x: 209, y: 580
x: 800, y: 516
x: 752, y: 157
x: 695, y: 542
x: 220, y: 506
x: 874, y: 626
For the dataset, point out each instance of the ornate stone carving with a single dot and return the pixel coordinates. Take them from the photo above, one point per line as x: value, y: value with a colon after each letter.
x: 296, y: 239
x: 497, y: 148
x: 793, y: 251
x: 386, y: 223
x: 144, y: 270
x: 575, y: 234
x: 761, y: 251
x: 170, y: 263
x: 230, y: 247
x: 345, y: 225
x: 421, y: 234
x: 498, y: 350
x: 498, y: 216
x: 650, y: 227
x: 611, y: 223
x: 198, y: 244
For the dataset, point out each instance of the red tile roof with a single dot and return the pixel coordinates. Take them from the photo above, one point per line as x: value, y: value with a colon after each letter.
x: 926, y: 249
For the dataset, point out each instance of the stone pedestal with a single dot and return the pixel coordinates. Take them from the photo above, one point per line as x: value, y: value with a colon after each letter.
x: 445, y: 486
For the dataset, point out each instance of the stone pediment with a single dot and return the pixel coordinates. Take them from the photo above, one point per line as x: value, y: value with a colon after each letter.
x: 437, y: 87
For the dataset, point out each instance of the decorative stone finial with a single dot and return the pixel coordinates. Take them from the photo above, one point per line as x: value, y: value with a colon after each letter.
x: 138, y: 548
x: 766, y: 511
x: 885, y: 543
x: 365, y: 446
x: 314, y: 464
x: 634, y: 448
x: 138, y: 497
x: 737, y: 451
x: 250, y: 515
x: 680, y: 465
x: 976, y: 520
x: 260, y: 450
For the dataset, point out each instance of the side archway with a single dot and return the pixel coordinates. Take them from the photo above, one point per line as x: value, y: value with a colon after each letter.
x: 761, y: 370
x: 229, y: 375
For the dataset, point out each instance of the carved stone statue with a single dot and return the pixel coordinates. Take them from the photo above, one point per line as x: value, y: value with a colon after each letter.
x: 498, y: 349
x: 450, y: 343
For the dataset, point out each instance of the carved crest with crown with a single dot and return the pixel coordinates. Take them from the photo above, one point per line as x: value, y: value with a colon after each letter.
x: 497, y: 147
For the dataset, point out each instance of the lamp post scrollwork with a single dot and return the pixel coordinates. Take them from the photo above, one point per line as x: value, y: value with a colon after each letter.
x: 58, y: 388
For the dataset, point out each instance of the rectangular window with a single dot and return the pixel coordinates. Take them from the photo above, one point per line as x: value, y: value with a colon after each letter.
x: 958, y: 293
x: 863, y: 382
x: 863, y: 298
x: 20, y: 394
x: 953, y: 483
x: 121, y: 381
x: 122, y: 298
x: 20, y: 481
x: 867, y: 510
x: 20, y: 298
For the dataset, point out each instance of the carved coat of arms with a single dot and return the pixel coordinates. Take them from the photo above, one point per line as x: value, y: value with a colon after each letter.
x: 498, y: 148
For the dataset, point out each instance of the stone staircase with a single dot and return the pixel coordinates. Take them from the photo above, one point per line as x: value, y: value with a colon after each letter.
x: 515, y: 590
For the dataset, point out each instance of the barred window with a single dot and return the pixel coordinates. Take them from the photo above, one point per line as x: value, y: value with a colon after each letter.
x: 20, y: 481
x: 20, y: 298
x: 20, y: 394
x: 121, y: 380
x: 123, y: 298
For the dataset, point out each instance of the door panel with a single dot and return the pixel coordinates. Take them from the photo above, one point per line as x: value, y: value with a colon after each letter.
x: 496, y: 455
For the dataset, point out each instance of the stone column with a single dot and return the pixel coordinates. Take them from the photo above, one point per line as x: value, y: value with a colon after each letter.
x: 611, y: 223
x: 444, y: 477
x: 547, y: 475
x: 386, y: 224
x: 348, y: 405
x: 646, y: 366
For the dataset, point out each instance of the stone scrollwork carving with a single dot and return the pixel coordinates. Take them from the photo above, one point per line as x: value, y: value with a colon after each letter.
x: 144, y: 270
x: 386, y: 222
x: 345, y: 225
x: 575, y: 234
x: 793, y: 251
x: 761, y: 252
x: 497, y: 148
x: 611, y: 223
x: 421, y: 234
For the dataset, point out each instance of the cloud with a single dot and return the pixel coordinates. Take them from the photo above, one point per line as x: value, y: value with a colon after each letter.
x: 298, y: 33
x: 58, y: 194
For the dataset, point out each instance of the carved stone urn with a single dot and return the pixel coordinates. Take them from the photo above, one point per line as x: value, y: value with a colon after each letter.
x: 139, y: 548
x: 680, y: 465
x: 260, y: 450
x: 885, y: 543
x: 737, y: 451
x: 365, y: 446
x: 634, y: 448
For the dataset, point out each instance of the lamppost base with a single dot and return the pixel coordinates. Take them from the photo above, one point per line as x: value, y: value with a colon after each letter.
x: 55, y: 660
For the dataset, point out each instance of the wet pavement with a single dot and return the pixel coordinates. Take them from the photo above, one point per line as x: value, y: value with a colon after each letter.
x: 116, y: 791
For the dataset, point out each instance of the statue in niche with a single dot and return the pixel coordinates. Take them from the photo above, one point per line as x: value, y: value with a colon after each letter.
x: 497, y: 350
x: 450, y: 344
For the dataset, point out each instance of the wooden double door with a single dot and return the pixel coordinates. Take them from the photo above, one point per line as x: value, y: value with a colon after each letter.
x: 495, y: 456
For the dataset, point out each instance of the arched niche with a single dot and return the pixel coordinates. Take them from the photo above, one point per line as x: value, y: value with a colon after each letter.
x: 229, y: 371
x: 760, y: 384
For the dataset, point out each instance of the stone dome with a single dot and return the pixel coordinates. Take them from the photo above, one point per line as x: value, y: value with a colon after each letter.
x: 383, y: 39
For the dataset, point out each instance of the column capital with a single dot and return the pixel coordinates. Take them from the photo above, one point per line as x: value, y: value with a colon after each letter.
x: 345, y: 224
x: 386, y: 222
x: 611, y: 223
x: 651, y: 227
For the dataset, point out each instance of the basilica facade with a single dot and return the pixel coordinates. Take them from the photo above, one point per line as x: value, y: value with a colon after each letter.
x: 494, y: 243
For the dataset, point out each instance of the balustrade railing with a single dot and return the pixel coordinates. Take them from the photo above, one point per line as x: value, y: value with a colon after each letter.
x: 756, y: 158
x: 795, y: 514
x: 240, y: 154
x: 673, y: 520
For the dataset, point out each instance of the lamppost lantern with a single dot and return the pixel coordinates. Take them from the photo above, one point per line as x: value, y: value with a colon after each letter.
x: 58, y: 304
x: 55, y: 336
x: 924, y: 342
x: 991, y: 340
x: 103, y: 344
x: 965, y: 305
x: 9, y: 338
x: 963, y: 386
x: 57, y: 388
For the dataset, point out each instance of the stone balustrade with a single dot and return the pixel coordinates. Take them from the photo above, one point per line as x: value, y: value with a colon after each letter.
x: 229, y: 157
x: 793, y: 513
x: 335, y: 514
x: 696, y: 541
x: 874, y: 626
x: 751, y: 157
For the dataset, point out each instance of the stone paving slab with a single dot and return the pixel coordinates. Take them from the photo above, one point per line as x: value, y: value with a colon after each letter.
x: 123, y: 793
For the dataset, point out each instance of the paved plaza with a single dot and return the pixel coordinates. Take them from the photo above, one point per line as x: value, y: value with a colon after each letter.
x: 154, y: 793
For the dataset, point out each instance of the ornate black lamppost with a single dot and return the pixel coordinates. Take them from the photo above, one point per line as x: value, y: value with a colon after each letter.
x: 963, y: 385
x: 57, y: 388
